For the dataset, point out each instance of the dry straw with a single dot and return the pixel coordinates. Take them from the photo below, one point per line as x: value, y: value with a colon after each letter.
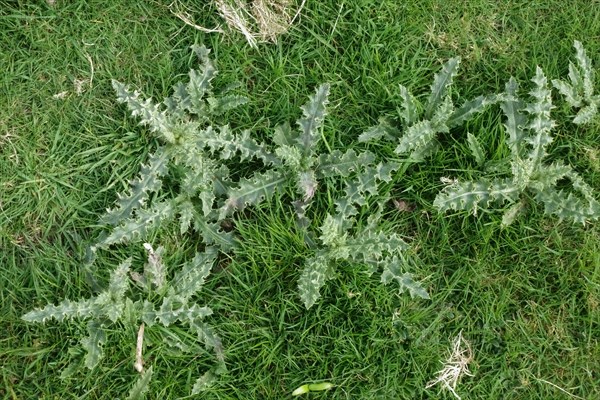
x: 455, y: 367
x: 258, y: 20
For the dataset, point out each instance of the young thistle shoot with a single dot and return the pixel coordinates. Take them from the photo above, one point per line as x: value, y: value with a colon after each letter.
x: 528, y: 139
x: 368, y: 247
x: 579, y: 91
x: 296, y: 159
x: 439, y: 115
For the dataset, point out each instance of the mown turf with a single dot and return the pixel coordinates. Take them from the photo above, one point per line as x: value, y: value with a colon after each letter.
x: 527, y: 298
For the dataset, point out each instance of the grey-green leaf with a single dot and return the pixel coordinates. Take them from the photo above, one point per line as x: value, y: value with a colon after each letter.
x: 441, y: 82
x: 141, y: 386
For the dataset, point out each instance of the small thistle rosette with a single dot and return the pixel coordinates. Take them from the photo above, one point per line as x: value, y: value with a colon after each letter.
x: 528, y: 127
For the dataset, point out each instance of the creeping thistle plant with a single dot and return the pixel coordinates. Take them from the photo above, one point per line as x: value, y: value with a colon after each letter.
x: 163, y: 302
x: 439, y: 115
x: 183, y: 124
x: 528, y: 126
x: 297, y: 160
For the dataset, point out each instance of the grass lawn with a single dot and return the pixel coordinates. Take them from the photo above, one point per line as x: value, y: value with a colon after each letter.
x: 526, y: 298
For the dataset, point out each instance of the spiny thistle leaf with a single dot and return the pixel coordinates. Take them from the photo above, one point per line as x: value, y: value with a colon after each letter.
x: 154, y: 270
x: 92, y: 344
x: 417, y: 137
x: 364, y: 183
x: 316, y: 272
x: 409, y: 111
x: 441, y: 82
x: 141, y: 387
x: 313, y: 114
x: 515, y: 119
x: 199, y: 82
x: 285, y: 135
x: 511, y: 214
x: 64, y: 310
x: 570, y: 92
x: 187, y: 213
x: 382, y: 130
x: 392, y: 271
x: 306, y: 184
x: 213, y: 234
x: 586, y: 68
x: 332, y: 232
x: 207, y: 336
x: 253, y: 191
x: 137, y: 227
x: 147, y: 182
x: 587, y: 113
x: 576, y: 79
x: 204, y: 383
x: 109, y: 303
x: 191, y: 278
x: 367, y: 245
x: 567, y: 206
x: 343, y: 164
x: 442, y: 114
x: 150, y: 114
x: 220, y: 105
x: 579, y: 93
x: 229, y: 144
x: 175, y: 308
x: 541, y: 123
x: 551, y: 174
x: 470, y: 108
x: 476, y: 149
x: 474, y: 195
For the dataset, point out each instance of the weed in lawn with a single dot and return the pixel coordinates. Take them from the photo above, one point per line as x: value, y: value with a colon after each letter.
x: 111, y: 309
x: 480, y: 278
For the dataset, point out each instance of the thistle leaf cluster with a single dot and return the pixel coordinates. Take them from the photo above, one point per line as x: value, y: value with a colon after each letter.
x: 579, y: 90
x: 133, y: 298
x: 368, y: 246
x: 424, y: 122
x: 184, y: 126
x: 528, y: 126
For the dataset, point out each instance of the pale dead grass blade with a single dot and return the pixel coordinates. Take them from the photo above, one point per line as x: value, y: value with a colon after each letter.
x: 178, y: 10
x: 455, y: 367
x: 257, y: 20
x: 236, y: 16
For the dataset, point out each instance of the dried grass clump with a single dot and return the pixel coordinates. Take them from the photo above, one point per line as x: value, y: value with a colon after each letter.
x: 257, y: 20
x: 455, y: 367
